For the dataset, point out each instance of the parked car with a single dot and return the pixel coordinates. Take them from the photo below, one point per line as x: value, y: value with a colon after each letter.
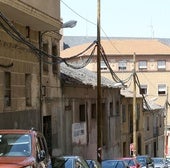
x: 93, y: 163
x: 145, y: 161
x: 69, y: 162
x: 159, y: 162
x: 167, y: 162
x: 131, y: 161
x: 114, y: 164
x: 23, y: 148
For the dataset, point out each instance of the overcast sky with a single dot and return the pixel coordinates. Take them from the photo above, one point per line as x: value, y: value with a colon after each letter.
x: 119, y: 18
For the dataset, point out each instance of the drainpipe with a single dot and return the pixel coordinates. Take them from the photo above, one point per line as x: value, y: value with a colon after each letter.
x: 40, y: 86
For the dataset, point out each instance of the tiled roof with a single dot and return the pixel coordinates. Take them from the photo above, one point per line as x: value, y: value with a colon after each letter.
x: 123, y: 47
x: 83, y: 76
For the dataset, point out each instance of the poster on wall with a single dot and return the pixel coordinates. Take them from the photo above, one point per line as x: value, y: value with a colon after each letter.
x: 79, y: 133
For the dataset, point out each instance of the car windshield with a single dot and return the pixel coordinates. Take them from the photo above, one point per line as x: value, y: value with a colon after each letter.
x: 15, y: 145
x: 158, y: 160
x: 142, y: 161
x: 130, y: 162
x: 112, y: 164
x: 69, y: 162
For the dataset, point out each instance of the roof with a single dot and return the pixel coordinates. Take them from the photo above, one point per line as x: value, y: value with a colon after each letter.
x: 83, y: 76
x: 152, y: 105
x: 123, y: 47
x: 129, y: 94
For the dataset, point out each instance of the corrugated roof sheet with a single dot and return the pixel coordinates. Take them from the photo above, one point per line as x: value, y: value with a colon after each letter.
x: 85, y: 77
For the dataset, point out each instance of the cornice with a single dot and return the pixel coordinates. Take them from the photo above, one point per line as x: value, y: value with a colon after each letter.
x: 31, y: 11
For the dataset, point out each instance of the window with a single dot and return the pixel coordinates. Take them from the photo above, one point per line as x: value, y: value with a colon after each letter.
x: 7, y: 91
x: 143, y: 89
x: 161, y: 89
x: 161, y: 64
x: 123, y: 113
x: 103, y: 65
x: 54, y: 59
x: 146, y: 149
x: 138, y: 111
x: 111, y: 109
x: 45, y: 58
x: 122, y: 65
x: 142, y: 65
x: 147, y: 123
x: 82, y: 113
x: 28, y: 89
x: 117, y: 107
x: 93, y: 111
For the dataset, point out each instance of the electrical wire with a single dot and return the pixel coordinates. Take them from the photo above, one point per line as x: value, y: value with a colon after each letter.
x: 143, y: 96
x: 92, y: 24
x: 114, y: 76
x: 85, y: 63
x: 13, y: 32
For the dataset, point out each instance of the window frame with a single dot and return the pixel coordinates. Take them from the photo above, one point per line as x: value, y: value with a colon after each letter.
x: 163, y: 90
x: 161, y: 64
x: 142, y: 65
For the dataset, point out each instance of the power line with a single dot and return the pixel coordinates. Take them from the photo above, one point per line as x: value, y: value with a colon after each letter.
x: 87, y: 20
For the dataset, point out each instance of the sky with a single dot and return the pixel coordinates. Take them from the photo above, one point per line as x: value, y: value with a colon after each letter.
x: 118, y: 18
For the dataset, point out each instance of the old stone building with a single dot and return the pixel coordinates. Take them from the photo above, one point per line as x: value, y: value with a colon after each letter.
x: 30, y: 88
x: 79, y: 118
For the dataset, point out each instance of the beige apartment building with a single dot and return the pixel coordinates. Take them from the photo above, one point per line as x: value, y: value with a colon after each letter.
x: 151, y: 60
x: 30, y: 88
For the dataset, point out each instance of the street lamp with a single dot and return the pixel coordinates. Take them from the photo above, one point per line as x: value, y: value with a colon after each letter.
x: 69, y: 24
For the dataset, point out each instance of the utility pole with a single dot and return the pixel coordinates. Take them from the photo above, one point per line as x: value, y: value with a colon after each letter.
x: 134, y: 106
x: 40, y: 82
x: 99, y: 112
x: 165, y: 134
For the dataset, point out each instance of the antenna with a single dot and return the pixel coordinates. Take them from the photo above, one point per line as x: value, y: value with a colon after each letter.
x: 152, y: 29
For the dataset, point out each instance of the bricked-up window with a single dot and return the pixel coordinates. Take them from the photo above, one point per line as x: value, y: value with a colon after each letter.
x: 54, y: 59
x: 93, y: 111
x: 7, y: 91
x: 28, y: 89
x: 161, y: 89
x: 45, y: 58
x: 82, y: 113
x: 143, y: 89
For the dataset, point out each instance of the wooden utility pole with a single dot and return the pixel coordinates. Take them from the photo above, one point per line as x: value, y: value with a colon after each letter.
x: 134, y: 106
x: 99, y: 112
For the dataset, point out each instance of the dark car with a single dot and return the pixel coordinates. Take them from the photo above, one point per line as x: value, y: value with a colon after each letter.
x: 131, y: 161
x: 159, y: 162
x: 114, y: 164
x: 93, y: 163
x: 145, y: 161
x: 23, y: 148
x: 69, y: 162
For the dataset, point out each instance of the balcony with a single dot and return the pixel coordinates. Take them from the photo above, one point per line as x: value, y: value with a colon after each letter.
x: 34, y: 17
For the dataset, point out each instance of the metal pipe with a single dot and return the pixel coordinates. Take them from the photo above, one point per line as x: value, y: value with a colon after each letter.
x: 99, y: 112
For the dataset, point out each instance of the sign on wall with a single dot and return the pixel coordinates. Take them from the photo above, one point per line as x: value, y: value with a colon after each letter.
x: 79, y: 133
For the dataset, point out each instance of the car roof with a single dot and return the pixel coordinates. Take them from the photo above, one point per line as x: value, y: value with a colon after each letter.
x: 18, y: 131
